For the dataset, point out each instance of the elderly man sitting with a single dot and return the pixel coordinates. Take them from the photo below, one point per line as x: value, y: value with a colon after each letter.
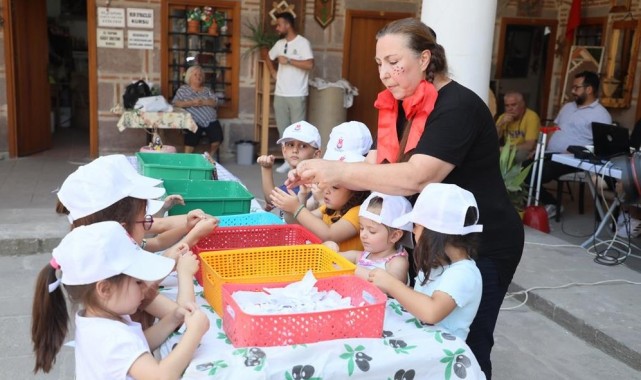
x: 520, y: 124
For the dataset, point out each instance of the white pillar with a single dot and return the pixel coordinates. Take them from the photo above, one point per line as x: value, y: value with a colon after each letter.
x: 466, y: 30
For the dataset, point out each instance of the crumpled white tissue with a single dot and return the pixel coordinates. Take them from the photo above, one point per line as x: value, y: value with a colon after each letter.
x: 297, y: 297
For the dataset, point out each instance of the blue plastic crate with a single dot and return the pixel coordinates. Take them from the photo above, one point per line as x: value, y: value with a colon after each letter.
x: 251, y: 219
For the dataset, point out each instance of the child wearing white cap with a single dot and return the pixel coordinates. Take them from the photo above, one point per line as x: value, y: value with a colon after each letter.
x: 382, y: 243
x: 352, y: 136
x: 337, y: 219
x: 448, y: 286
x: 301, y: 141
x: 93, y: 192
x: 109, y: 189
x: 349, y: 138
x: 104, y: 270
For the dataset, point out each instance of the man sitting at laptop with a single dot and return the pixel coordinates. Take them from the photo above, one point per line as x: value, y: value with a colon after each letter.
x: 575, y: 123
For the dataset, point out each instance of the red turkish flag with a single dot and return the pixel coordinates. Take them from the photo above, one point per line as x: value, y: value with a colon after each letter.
x: 574, y: 19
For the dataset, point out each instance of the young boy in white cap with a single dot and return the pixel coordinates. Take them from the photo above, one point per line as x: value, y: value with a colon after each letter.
x: 301, y: 141
x: 448, y: 286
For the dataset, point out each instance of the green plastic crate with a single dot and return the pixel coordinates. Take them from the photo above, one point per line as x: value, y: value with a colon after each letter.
x: 213, y: 197
x: 174, y: 165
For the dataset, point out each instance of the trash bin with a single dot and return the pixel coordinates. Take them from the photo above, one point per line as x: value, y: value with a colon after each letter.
x: 245, y: 152
x: 328, y: 103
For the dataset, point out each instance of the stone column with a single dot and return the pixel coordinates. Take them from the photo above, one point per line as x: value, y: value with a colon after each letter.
x: 466, y: 30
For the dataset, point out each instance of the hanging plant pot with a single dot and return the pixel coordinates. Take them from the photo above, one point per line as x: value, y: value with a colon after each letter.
x: 193, y: 26
x: 213, y: 29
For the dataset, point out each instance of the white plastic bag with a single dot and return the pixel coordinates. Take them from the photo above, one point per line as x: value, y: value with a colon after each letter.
x: 156, y: 103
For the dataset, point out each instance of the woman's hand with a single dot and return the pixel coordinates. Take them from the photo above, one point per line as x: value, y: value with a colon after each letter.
x: 322, y: 172
x: 287, y: 202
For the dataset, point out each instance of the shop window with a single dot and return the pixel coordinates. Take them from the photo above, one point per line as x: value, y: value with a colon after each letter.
x: 213, y: 43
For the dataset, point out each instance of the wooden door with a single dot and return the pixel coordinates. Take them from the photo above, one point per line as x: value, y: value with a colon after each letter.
x: 30, y: 124
x: 359, y: 66
x: 531, y: 72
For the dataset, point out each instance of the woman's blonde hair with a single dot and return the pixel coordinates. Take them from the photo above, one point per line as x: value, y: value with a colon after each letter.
x: 190, y: 71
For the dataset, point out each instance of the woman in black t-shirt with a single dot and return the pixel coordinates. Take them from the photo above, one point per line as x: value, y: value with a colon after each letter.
x: 447, y: 136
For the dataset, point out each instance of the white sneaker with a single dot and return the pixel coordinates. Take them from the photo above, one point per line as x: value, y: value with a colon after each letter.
x: 284, y: 168
x: 623, y: 227
x: 551, y: 210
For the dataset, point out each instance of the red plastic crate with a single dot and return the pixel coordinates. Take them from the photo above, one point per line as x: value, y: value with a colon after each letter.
x: 286, y: 329
x: 224, y: 238
x: 267, y: 265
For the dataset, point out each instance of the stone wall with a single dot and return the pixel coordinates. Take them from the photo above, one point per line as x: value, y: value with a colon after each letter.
x: 117, y: 67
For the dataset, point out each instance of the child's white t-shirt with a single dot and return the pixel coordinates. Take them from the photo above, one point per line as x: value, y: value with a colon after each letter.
x: 105, y: 348
x: 462, y: 281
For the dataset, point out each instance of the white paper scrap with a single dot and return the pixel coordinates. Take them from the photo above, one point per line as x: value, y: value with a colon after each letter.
x: 297, y: 297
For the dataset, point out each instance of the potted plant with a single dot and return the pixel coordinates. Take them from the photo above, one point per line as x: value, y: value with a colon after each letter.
x: 193, y: 20
x: 221, y: 20
x: 209, y: 23
x: 513, y: 175
x: 262, y: 39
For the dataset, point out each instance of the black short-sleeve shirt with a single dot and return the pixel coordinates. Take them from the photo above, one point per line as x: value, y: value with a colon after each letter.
x: 460, y: 130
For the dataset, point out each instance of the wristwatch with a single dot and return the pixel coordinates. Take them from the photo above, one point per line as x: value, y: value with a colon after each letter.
x: 288, y: 61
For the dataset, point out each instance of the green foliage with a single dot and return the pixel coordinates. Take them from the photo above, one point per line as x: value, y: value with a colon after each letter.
x: 513, y: 175
x: 220, y: 18
x: 194, y: 14
x: 258, y: 36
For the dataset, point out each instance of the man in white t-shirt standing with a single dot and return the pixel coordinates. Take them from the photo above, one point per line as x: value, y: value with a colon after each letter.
x: 293, y: 53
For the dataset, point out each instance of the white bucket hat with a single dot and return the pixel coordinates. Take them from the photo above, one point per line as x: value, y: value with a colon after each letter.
x: 302, y: 131
x: 348, y: 156
x: 102, y: 250
x: 101, y: 183
x: 394, y: 206
x: 442, y: 208
x: 350, y: 136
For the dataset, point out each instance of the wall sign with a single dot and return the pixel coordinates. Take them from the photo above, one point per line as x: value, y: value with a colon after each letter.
x: 110, y: 38
x: 140, y: 18
x: 140, y: 39
x: 324, y: 12
x: 111, y: 17
x: 270, y: 8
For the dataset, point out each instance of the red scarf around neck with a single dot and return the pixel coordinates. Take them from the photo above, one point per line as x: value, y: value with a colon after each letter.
x: 417, y: 108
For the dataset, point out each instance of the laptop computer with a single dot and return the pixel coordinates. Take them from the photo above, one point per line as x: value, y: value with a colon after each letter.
x: 610, y: 140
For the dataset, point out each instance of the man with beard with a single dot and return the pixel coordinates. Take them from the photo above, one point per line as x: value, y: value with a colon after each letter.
x: 575, y: 123
x: 293, y: 53
x: 575, y: 118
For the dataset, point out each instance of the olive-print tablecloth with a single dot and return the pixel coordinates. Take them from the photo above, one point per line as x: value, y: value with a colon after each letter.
x: 408, y: 350
x: 178, y: 119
